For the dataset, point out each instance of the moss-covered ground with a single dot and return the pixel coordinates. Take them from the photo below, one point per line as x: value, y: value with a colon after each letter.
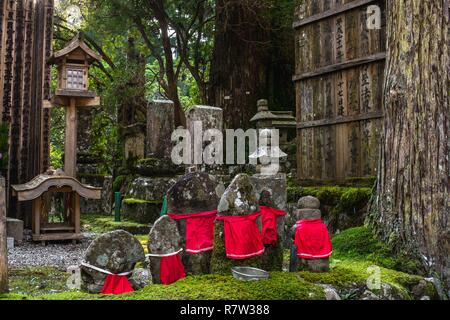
x: 97, y: 223
x: 355, y: 250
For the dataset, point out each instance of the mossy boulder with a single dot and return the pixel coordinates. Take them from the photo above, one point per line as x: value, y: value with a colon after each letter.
x: 116, y: 252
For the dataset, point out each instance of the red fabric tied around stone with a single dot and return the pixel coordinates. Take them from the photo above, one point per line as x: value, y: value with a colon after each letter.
x: 312, y: 240
x: 199, y: 230
x: 269, y: 224
x: 116, y: 284
x: 171, y: 269
x: 243, y: 239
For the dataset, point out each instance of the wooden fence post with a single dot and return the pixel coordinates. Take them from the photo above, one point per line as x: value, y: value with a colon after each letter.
x: 3, y: 245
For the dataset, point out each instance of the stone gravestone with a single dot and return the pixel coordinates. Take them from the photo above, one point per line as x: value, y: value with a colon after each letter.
x: 199, y: 119
x: 14, y: 229
x: 144, y: 197
x: 308, y: 209
x: 239, y: 199
x: 272, y: 191
x: 117, y: 252
x: 163, y: 238
x: 160, y: 126
x: 194, y: 193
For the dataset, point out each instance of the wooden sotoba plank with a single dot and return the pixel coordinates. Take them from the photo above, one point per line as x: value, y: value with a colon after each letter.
x: 340, y: 120
x: 332, y: 12
x: 341, y: 66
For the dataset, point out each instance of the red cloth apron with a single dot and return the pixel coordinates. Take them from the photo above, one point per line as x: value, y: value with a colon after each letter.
x: 116, y: 284
x: 243, y: 239
x: 199, y: 230
x: 171, y: 269
x: 312, y: 240
x: 269, y: 224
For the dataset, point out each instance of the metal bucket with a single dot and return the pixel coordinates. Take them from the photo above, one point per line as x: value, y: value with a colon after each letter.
x: 249, y: 273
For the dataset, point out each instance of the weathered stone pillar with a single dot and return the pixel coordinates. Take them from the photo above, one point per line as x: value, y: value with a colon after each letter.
x: 272, y: 191
x: 308, y: 209
x: 193, y: 193
x: 239, y: 199
x: 199, y: 119
x: 160, y: 126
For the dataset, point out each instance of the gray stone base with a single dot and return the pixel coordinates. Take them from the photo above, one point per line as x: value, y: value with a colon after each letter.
x: 104, y: 205
x: 14, y: 229
x: 141, y: 212
x: 316, y: 265
x: 319, y: 265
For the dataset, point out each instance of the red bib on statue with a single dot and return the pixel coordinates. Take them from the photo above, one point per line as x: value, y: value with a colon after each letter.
x: 171, y: 269
x: 199, y: 230
x: 269, y: 223
x: 312, y: 240
x: 115, y: 284
x: 243, y: 239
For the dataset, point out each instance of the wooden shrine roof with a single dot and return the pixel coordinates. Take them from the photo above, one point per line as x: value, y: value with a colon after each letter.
x: 76, y: 43
x: 44, y: 182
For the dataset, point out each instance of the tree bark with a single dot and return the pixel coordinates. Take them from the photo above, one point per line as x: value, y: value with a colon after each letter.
x: 241, y: 54
x: 411, y: 210
x: 3, y: 245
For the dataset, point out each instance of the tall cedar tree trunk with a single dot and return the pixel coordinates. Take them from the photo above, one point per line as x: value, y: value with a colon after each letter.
x: 411, y: 211
x: 238, y: 73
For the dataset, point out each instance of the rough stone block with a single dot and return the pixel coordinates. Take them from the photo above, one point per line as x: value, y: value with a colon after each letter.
x: 14, y: 229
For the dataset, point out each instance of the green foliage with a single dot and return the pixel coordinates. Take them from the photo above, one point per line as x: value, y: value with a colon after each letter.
x: 56, y: 156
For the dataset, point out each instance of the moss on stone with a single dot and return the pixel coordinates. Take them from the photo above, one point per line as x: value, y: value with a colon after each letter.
x: 147, y: 161
x: 131, y: 201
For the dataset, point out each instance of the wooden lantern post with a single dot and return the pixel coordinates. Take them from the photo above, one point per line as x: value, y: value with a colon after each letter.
x: 73, y: 63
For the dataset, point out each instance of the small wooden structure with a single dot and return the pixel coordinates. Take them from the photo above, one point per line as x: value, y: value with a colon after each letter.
x: 339, y: 86
x: 40, y: 189
x: 73, y: 63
